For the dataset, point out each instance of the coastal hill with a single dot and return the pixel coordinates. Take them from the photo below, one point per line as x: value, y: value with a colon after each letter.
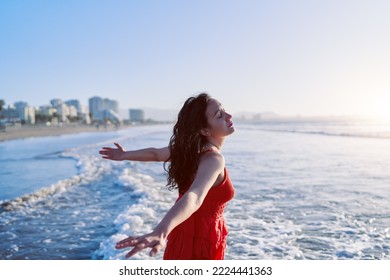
x: 244, y: 115
x: 171, y: 114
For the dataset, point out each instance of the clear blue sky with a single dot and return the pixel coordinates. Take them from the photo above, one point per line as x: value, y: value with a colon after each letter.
x: 291, y: 57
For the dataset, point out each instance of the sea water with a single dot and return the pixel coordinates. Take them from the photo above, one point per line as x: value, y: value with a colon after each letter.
x: 304, y: 190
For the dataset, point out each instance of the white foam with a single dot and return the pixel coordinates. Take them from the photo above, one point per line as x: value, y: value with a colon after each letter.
x: 90, y: 169
x: 140, y: 218
x: 297, y: 197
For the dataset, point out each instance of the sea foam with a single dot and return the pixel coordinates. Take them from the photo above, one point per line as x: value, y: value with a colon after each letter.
x: 139, y: 218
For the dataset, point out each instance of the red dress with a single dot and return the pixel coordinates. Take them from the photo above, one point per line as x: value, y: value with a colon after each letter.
x: 203, y: 235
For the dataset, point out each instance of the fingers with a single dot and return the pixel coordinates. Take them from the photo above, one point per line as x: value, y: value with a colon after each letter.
x: 104, y: 151
x: 109, y: 153
x: 118, y: 146
x: 128, y: 242
x: 139, y: 243
x: 155, y: 250
x: 108, y: 149
x: 140, y: 246
x: 135, y: 250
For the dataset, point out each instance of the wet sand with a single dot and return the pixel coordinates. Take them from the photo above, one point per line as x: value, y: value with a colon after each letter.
x: 21, y: 132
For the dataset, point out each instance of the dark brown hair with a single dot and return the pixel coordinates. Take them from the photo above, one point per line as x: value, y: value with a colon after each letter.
x: 187, y: 142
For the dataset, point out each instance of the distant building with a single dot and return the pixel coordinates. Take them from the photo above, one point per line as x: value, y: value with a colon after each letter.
x: 136, y: 115
x: 107, y: 115
x: 84, y: 115
x: 10, y: 114
x: 26, y: 113
x: 104, y: 109
x: 63, y: 112
x: 66, y: 111
x: 85, y: 118
x: 95, y: 105
x: 56, y: 102
x: 84, y: 109
x: 46, y: 114
x: 19, y: 112
x: 47, y: 111
x: 75, y: 103
x: 111, y: 105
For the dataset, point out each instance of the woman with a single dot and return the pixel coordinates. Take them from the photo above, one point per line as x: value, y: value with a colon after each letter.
x: 194, y: 226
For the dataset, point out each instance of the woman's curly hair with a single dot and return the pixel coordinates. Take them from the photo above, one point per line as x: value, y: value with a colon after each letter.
x: 187, y: 142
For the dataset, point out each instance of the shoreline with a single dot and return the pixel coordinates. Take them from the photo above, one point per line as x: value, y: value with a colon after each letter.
x: 22, y: 132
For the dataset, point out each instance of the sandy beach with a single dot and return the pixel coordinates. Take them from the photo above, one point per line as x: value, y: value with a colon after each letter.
x: 13, y: 133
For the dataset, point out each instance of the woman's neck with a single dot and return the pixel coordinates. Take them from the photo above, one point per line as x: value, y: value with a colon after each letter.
x: 217, y: 143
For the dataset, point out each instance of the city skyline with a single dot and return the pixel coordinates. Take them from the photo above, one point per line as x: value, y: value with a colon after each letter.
x: 143, y: 113
x: 161, y: 114
x: 72, y: 110
x: 292, y: 58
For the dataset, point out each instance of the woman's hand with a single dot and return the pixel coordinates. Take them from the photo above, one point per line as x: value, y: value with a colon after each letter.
x: 112, y: 153
x: 151, y: 240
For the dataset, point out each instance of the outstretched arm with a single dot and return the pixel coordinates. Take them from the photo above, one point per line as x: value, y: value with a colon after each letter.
x: 148, y: 154
x: 209, y: 168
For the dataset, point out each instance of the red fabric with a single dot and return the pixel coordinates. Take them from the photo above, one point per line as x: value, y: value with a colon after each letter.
x: 203, y: 235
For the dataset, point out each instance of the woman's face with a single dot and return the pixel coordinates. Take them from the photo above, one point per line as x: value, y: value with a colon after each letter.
x: 220, y: 122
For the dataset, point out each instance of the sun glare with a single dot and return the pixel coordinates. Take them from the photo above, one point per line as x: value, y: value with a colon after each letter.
x: 381, y: 108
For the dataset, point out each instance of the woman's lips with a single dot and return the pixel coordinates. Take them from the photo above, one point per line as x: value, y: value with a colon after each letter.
x: 230, y: 124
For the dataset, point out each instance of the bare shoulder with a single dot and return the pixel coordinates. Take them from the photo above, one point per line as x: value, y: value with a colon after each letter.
x: 213, y: 163
x: 213, y: 159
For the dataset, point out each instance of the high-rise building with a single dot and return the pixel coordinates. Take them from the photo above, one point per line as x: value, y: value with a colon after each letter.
x: 56, y: 102
x: 95, y: 105
x: 25, y: 112
x: 136, y: 115
x: 65, y: 112
x: 111, y: 105
x: 11, y: 114
x: 104, y: 109
x: 47, y: 111
x: 75, y: 103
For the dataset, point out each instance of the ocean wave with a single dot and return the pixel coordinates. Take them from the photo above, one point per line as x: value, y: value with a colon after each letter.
x: 379, y: 135
x: 90, y: 168
x: 39, y: 195
x: 139, y: 218
x: 49, y: 155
